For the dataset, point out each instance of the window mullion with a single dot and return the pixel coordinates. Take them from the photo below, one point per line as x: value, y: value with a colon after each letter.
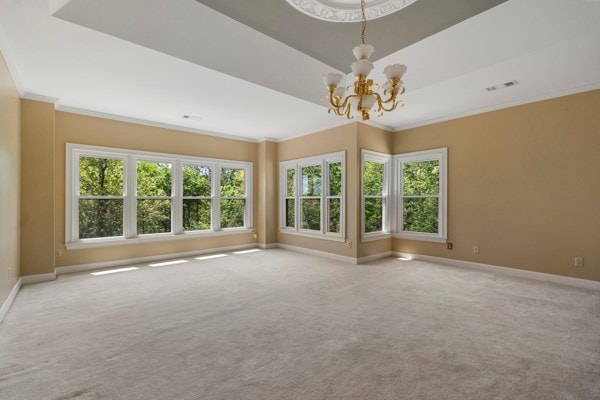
x: 130, y: 206
x: 216, y: 198
x: 177, y: 198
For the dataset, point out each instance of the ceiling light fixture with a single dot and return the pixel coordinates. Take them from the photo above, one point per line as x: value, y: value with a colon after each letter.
x: 364, y: 97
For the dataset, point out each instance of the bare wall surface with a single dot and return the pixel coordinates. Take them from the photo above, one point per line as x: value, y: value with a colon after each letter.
x: 37, y: 187
x: 523, y: 185
x: 10, y: 166
x: 267, y: 193
x: 73, y: 128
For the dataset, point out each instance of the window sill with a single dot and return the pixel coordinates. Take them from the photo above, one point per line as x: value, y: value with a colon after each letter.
x: 375, y: 236
x: 312, y: 235
x: 92, y: 243
x: 423, y: 238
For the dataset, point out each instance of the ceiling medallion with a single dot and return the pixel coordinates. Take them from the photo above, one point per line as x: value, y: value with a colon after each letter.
x: 348, y: 10
x: 365, y: 96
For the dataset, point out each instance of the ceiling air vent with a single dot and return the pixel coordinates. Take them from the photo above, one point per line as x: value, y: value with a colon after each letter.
x: 502, y: 86
x: 192, y: 117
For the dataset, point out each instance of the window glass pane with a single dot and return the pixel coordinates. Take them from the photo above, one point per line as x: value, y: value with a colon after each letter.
x: 420, y: 215
x: 335, y: 179
x: 232, y: 182
x: 290, y: 213
x: 291, y: 183
x: 153, y: 216
x: 373, y: 215
x: 232, y: 213
x: 100, y: 218
x: 153, y: 179
x: 373, y: 178
x: 100, y: 177
x: 311, y: 214
x: 421, y: 178
x: 196, y: 214
x: 334, y: 210
x: 196, y: 181
x: 311, y: 180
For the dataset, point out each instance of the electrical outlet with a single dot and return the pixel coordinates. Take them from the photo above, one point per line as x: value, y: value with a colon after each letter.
x: 475, y: 249
x: 449, y: 245
x: 255, y: 236
x: 579, y: 261
x: 349, y: 244
x: 58, y: 253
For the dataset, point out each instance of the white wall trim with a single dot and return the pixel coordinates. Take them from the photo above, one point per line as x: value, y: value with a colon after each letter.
x: 373, y: 257
x: 267, y: 245
x: 39, y: 97
x: 9, y: 300
x: 31, y: 279
x: 520, y: 273
x: 140, y: 260
x: 323, y: 254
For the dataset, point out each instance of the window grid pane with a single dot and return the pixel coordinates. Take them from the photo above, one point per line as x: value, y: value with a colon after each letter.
x: 421, y: 178
x: 197, y: 181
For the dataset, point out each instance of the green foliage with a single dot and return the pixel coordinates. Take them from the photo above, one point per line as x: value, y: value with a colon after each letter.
x: 421, y: 178
x: 373, y: 215
x: 373, y: 178
x: 420, y: 214
x: 100, y: 177
x: 233, y: 184
x: 311, y: 214
x: 153, y: 180
x: 197, y: 214
x: 291, y: 182
x: 100, y: 217
x: 335, y: 179
x: 196, y: 181
x: 311, y: 180
x: 334, y: 209
x: 290, y: 213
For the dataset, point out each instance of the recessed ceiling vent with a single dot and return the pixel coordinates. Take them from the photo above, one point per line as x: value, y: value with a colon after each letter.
x: 502, y: 86
x: 192, y: 117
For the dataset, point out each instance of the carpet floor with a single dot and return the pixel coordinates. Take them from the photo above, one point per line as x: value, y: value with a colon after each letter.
x: 274, y: 324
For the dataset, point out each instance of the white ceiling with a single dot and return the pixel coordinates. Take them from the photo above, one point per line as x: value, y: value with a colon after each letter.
x: 246, y: 84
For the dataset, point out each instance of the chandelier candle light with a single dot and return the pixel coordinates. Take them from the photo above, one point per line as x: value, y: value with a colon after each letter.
x: 365, y: 97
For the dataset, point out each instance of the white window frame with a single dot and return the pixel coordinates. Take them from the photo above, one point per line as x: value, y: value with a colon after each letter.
x: 323, y: 161
x: 385, y: 159
x: 440, y: 155
x: 130, y: 158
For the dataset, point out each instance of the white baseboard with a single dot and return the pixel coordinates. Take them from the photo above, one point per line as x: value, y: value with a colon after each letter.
x: 9, y: 300
x: 267, y: 245
x: 323, y: 254
x: 140, y: 260
x: 30, y: 279
x: 373, y: 257
x: 521, y: 273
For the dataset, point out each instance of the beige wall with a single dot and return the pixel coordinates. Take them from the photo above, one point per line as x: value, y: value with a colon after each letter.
x: 9, y: 182
x: 524, y: 184
x: 37, y: 187
x: 266, y: 226
x: 343, y: 138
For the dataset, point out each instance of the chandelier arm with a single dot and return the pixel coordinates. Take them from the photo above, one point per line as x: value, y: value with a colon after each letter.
x: 380, y: 103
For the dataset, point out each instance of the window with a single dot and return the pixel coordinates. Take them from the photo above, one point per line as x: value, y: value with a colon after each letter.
x: 312, y: 196
x: 422, y: 195
x: 119, y: 195
x: 375, y: 193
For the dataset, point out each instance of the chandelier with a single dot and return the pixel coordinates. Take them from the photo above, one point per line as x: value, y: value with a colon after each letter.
x: 364, y: 95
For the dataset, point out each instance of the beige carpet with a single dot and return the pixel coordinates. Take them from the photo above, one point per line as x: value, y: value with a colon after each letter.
x: 274, y: 324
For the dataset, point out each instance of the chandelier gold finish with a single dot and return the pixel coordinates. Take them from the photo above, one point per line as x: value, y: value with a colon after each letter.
x: 364, y: 91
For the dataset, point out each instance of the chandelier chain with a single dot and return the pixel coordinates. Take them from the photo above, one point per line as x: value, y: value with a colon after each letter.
x: 363, y: 20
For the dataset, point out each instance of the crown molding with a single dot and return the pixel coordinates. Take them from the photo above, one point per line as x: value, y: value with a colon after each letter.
x: 137, y: 121
x: 39, y: 97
